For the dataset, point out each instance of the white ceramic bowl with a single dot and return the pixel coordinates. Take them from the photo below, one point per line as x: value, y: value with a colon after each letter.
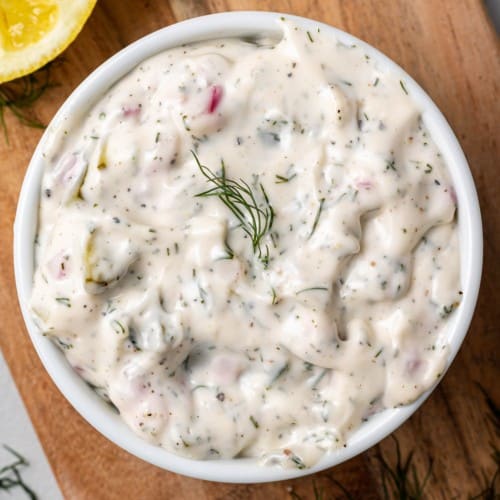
x: 84, y: 400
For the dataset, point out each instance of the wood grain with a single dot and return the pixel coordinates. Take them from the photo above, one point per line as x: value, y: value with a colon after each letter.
x: 451, y: 49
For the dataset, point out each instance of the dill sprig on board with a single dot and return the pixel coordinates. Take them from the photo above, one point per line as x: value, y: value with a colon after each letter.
x: 401, y: 480
x: 10, y: 476
x: 20, y: 95
x: 491, y: 485
x: 324, y: 492
x: 255, y: 218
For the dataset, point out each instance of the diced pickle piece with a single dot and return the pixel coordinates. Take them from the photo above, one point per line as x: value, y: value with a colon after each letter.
x: 107, y: 260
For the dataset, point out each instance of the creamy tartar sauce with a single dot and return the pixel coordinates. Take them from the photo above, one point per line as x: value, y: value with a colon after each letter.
x: 249, y: 247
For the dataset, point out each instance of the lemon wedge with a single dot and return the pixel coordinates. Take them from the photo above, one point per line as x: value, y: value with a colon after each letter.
x: 33, y: 32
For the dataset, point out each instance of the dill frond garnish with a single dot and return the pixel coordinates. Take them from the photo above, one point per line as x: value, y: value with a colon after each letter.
x: 255, y: 217
x: 400, y: 480
x: 10, y: 476
x: 21, y: 94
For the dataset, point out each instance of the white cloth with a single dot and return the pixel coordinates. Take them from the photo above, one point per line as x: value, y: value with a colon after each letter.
x: 17, y: 432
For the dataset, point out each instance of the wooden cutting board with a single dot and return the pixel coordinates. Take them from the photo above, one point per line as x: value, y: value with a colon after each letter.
x: 451, y: 49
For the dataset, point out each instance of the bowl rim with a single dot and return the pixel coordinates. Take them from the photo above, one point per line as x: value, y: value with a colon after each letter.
x: 78, y: 393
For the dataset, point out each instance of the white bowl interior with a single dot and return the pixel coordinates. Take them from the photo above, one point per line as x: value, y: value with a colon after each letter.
x: 79, y: 394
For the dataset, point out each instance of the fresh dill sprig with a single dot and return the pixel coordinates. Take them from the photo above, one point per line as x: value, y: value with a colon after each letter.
x: 295, y: 495
x: 10, y: 476
x: 491, y: 484
x: 324, y: 492
x: 490, y: 489
x: 255, y: 218
x: 318, y: 493
x: 401, y: 480
x: 20, y: 95
x: 346, y: 493
x: 494, y: 416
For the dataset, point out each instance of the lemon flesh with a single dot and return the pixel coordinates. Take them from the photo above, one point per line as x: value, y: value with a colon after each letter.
x: 33, y: 32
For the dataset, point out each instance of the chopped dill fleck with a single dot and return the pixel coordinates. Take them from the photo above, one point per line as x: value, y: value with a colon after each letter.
x: 64, y: 300
x: 200, y: 386
x: 428, y: 169
x: 390, y: 165
x: 186, y: 126
x: 117, y: 327
x: 275, y: 299
x: 298, y: 461
x: 310, y: 37
x: 254, y: 422
x: 311, y: 289
x: 403, y: 87
x: 447, y: 310
x: 280, y: 179
x: 316, y: 219
x: 319, y: 378
x: 279, y: 374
